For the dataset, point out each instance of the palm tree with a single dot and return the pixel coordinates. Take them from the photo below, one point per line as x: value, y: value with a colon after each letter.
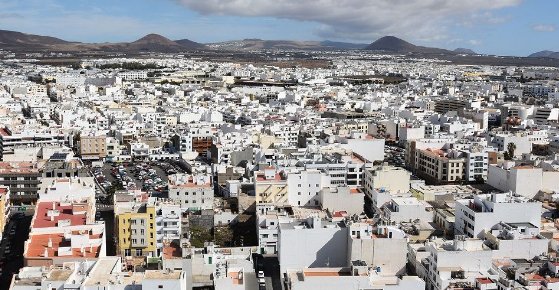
x: 511, y: 147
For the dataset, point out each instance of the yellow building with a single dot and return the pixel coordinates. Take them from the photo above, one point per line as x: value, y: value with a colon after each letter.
x: 135, y: 227
x: 4, y: 207
x: 270, y: 186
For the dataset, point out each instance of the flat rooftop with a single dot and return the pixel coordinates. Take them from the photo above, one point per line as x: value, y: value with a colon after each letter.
x: 50, y: 214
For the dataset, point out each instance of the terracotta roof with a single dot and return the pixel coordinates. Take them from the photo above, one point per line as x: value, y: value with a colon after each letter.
x: 66, y: 212
x: 38, y: 244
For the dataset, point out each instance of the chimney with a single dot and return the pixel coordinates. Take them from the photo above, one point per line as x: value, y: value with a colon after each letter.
x: 46, y: 254
x: 50, y: 243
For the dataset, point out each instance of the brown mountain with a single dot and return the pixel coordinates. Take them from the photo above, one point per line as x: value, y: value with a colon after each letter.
x: 545, y: 54
x: 259, y: 44
x: 17, y: 40
x: 397, y: 45
x: 154, y: 43
x: 21, y: 42
x: 189, y: 44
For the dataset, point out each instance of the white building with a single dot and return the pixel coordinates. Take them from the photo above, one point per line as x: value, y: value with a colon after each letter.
x: 303, y: 187
x: 312, y: 243
x: 485, y: 211
x: 193, y: 192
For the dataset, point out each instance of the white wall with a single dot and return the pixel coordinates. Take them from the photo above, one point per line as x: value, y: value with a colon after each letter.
x: 312, y: 248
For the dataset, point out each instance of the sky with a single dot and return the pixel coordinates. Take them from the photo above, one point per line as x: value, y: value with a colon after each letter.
x: 503, y: 27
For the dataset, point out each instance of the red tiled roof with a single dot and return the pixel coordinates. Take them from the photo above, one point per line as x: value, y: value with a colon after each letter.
x: 38, y: 244
x: 42, y: 220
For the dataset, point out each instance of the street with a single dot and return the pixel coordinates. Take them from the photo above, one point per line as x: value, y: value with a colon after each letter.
x: 15, y: 234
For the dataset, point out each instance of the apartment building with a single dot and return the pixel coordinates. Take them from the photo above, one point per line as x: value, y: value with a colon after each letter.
x: 193, y: 192
x: 23, y: 179
x: 168, y: 223
x: 10, y: 140
x: 378, y: 246
x: 387, y: 178
x: 438, y: 166
x: 135, y: 226
x: 270, y: 186
x: 303, y: 187
x: 483, y: 212
x: 92, y: 147
x: 343, y: 170
x: 406, y: 209
x: 342, y: 199
x: 102, y: 273
x: 455, y: 263
x: 311, y: 243
x: 267, y: 229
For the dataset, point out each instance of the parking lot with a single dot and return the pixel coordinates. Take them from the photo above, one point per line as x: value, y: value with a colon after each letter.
x: 146, y: 176
x: 394, y: 156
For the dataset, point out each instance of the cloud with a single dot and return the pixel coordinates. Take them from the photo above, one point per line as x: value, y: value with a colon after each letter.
x: 474, y: 42
x: 544, y: 27
x: 10, y: 15
x: 360, y: 19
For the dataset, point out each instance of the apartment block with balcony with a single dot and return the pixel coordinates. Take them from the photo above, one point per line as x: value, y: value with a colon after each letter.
x: 168, y: 223
x: 484, y: 212
x: 193, y: 192
x: 92, y: 147
x: 135, y: 226
x: 23, y: 179
x: 270, y: 186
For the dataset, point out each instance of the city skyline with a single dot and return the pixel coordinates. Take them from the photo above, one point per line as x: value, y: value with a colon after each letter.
x: 493, y: 28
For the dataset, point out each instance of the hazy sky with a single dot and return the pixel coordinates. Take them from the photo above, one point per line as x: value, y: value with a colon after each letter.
x: 506, y: 27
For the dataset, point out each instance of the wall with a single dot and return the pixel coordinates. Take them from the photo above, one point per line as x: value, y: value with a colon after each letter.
x: 316, y: 247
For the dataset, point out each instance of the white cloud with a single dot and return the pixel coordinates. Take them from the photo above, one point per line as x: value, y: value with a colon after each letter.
x: 544, y: 27
x: 474, y: 42
x: 360, y: 19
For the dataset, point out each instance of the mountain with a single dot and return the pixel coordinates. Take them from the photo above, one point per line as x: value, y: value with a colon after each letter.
x: 21, y: 42
x: 343, y: 45
x: 464, y: 51
x: 259, y: 44
x: 189, y: 44
x: 545, y: 53
x: 18, y: 40
x: 397, y: 45
x: 154, y: 43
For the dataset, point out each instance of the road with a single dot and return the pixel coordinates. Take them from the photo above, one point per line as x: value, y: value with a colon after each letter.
x: 271, y: 270
x: 11, y: 247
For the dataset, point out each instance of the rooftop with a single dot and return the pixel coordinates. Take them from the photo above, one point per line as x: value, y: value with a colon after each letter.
x: 55, y: 214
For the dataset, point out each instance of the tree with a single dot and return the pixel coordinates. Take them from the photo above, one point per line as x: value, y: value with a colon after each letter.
x: 509, y: 155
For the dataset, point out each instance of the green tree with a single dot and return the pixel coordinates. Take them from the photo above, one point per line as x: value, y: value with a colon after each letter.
x: 509, y: 154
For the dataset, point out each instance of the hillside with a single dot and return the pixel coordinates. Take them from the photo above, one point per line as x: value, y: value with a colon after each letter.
x: 397, y: 45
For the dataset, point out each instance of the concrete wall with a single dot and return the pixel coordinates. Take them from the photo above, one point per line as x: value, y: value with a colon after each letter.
x: 388, y: 254
x: 343, y: 200
x: 312, y: 248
